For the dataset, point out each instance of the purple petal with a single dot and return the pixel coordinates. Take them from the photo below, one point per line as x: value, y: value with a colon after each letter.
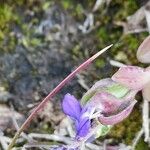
x: 111, y: 120
x: 143, y: 53
x: 132, y: 77
x: 71, y: 106
x: 83, y: 127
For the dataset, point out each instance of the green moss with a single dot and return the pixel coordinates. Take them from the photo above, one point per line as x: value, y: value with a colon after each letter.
x: 8, y: 44
x: 121, y: 56
x: 126, y: 8
x: 67, y: 4
x: 126, y: 48
x: 77, y: 52
x: 4, y: 86
x: 126, y: 130
x: 31, y: 42
x: 132, y: 41
x: 142, y: 145
x: 6, y: 17
x: 103, y: 34
x: 74, y: 8
x: 100, y: 63
x: 46, y: 5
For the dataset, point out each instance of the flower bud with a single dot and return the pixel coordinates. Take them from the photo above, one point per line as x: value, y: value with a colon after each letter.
x: 143, y: 53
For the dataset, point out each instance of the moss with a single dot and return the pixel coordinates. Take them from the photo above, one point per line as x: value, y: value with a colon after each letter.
x: 77, y: 51
x: 6, y: 17
x: 126, y: 130
x: 74, y: 8
x: 126, y: 48
x: 126, y: 8
x: 100, y: 63
x: 46, y: 5
x: 31, y: 42
x: 4, y: 86
x: 142, y: 145
x: 103, y: 34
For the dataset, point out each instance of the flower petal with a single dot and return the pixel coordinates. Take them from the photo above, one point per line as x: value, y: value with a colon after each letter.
x: 132, y: 77
x: 143, y: 53
x: 83, y: 127
x: 71, y: 106
x: 111, y: 120
x: 108, y: 103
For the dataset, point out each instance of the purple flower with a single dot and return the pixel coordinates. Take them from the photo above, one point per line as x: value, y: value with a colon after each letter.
x: 113, y: 101
x: 102, y: 106
x: 72, y: 108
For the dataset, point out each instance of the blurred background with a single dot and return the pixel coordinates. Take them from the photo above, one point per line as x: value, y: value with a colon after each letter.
x: 42, y: 41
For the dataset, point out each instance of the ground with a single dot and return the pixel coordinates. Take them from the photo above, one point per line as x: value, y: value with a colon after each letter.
x: 43, y: 41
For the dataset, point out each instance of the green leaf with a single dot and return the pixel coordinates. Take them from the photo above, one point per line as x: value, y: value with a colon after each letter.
x: 103, y: 130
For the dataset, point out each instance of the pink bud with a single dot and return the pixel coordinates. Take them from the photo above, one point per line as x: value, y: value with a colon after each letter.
x: 143, y: 53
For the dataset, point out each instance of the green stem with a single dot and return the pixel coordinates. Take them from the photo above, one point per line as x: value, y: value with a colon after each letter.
x: 53, y: 92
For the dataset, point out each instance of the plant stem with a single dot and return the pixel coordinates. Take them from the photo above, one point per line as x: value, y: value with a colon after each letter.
x: 52, y: 93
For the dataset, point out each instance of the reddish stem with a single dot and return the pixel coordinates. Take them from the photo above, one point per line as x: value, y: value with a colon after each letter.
x: 52, y: 93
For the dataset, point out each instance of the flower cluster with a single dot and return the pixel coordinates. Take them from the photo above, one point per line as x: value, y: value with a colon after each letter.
x: 109, y: 101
